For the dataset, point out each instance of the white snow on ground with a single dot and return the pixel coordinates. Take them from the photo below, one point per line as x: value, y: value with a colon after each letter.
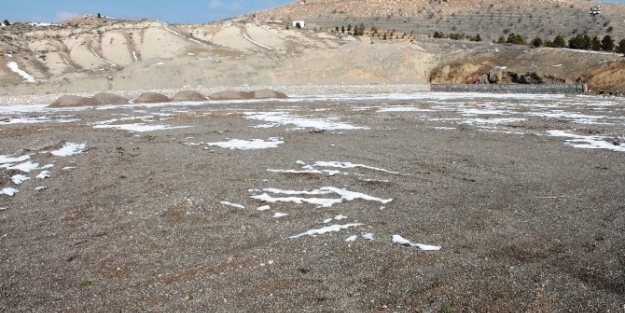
x: 43, y: 175
x: 134, y: 55
x: 19, y: 178
x: 103, y: 59
x: 236, y: 205
x: 327, y: 229
x: 574, y: 117
x: 251, y: 144
x: 368, y: 236
x: 15, y: 68
x: 24, y: 167
x: 9, y: 191
x: 338, y: 218
x: 276, y: 119
x: 25, y: 120
x: 345, y: 195
x: 588, y: 142
x: 254, y: 42
x: 40, y: 188
x: 263, y: 208
x: 307, y: 171
x: 404, y: 109
x: 70, y: 149
x: 279, y: 215
x: 350, y: 165
x: 140, y: 127
x: 491, y: 121
x: 402, y: 241
x: 8, y: 159
x: 47, y: 166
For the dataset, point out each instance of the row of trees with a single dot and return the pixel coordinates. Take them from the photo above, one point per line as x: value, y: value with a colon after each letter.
x: 580, y: 41
x: 358, y: 30
x: 457, y: 36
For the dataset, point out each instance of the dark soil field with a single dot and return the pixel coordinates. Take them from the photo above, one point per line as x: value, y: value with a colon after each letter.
x: 527, y: 218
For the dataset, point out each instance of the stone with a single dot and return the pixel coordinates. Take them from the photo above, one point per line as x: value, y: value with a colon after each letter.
x: 231, y: 95
x: 152, y: 97
x: 188, y: 95
x: 73, y: 101
x: 110, y: 98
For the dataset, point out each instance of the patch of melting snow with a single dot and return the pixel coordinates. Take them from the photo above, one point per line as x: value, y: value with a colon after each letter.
x: 327, y: 229
x: 7, y: 159
x: 338, y: 218
x: 15, y: 68
x: 350, y: 165
x: 251, y: 144
x: 236, y: 205
x: 25, y: 120
x: 404, y: 109
x: 70, y: 149
x: 368, y: 236
x: 491, y: 121
x: 19, y: 178
x: 588, y: 142
x: 263, y: 208
x: 41, y: 188
x: 140, y: 127
x: 24, y: 167
x: 345, y: 195
x: 405, y: 242
x: 276, y: 119
x: 43, y: 175
x: 9, y: 191
x: 279, y: 215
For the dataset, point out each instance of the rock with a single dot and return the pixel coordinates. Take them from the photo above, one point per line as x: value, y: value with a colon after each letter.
x: 495, y: 76
x: 240, y: 95
x: 189, y: 95
x: 231, y: 95
x: 152, y: 97
x: 73, y: 101
x: 110, y: 98
x: 269, y: 94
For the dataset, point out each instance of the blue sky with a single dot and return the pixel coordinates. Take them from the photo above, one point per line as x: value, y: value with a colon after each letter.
x: 171, y: 11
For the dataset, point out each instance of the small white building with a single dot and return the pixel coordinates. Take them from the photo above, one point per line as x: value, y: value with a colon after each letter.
x: 299, y: 24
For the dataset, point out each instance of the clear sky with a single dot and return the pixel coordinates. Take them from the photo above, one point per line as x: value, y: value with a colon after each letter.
x: 171, y: 11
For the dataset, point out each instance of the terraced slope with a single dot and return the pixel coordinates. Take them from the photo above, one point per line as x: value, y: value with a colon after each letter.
x: 489, y: 18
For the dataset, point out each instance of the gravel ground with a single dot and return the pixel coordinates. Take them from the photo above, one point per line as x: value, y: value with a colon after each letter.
x: 137, y: 222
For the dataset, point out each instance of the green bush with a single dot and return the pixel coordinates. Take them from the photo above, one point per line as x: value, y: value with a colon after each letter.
x: 559, y: 42
x: 595, y: 44
x: 621, y: 46
x: 607, y: 43
x: 537, y: 42
x: 580, y: 42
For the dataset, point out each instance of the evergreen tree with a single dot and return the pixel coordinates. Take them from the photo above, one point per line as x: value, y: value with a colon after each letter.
x: 595, y: 44
x: 559, y: 42
x: 537, y: 42
x: 607, y: 44
x: 621, y: 46
x: 501, y: 39
x: 6, y: 23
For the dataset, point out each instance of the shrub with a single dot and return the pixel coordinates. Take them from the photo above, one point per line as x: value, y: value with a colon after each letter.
x: 595, y: 44
x: 559, y: 42
x: 501, y: 39
x: 6, y: 22
x: 537, y: 42
x: 580, y: 42
x: 516, y: 39
x: 621, y: 46
x: 607, y: 43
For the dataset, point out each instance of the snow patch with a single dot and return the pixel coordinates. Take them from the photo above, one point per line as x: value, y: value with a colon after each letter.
x: 19, y: 178
x: 236, y: 205
x: 9, y: 191
x: 251, y: 144
x: 70, y: 149
x: 15, y: 68
x: 327, y: 229
x: 405, y: 242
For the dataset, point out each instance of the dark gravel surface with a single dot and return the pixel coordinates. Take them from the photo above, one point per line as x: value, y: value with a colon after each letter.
x: 525, y: 221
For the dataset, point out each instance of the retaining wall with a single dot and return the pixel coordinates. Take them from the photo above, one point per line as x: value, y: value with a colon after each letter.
x: 521, y: 88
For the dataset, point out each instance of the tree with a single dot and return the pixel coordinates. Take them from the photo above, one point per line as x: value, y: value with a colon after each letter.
x: 559, y: 42
x: 384, y: 37
x: 580, y: 42
x: 621, y: 46
x: 516, y: 39
x: 501, y: 39
x: 349, y: 28
x: 476, y: 38
x: 537, y: 42
x: 607, y: 44
x: 99, y: 15
x: 595, y: 44
x: 6, y: 23
x: 342, y: 29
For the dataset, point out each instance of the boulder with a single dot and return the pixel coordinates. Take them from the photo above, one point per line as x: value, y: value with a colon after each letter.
x: 269, y: 94
x: 231, y: 95
x: 152, y: 97
x: 73, y: 101
x: 189, y: 95
x: 241, y: 95
x: 110, y: 98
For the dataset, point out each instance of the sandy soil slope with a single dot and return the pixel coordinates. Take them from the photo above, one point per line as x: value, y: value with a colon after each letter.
x: 157, y: 213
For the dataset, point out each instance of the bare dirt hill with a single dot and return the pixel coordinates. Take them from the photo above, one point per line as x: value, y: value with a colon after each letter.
x: 90, y: 54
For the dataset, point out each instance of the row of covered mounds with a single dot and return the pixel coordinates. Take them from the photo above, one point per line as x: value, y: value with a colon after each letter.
x: 104, y: 98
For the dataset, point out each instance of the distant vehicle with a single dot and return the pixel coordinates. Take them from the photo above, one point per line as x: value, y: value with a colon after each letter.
x: 594, y: 11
